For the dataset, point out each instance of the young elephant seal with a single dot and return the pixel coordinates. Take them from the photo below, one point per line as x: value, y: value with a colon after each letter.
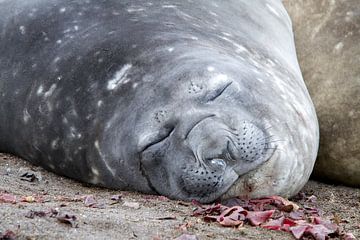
x: 184, y: 99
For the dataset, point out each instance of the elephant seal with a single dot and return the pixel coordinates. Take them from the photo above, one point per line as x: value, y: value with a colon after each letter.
x: 185, y: 99
x: 327, y: 37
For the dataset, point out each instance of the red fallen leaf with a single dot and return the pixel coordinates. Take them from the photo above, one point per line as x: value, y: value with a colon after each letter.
x: 229, y: 222
x: 326, y: 223
x: 288, y: 206
x: 7, y: 198
x: 209, y: 210
x: 89, y: 201
x: 297, y: 215
x: 298, y: 231
x: 68, y: 219
x: 319, y: 232
x: 287, y: 224
x: 231, y: 217
x: 237, y: 210
x: 8, y: 235
x: 259, y: 204
x: 274, y: 224
x: 258, y: 217
x: 311, y: 211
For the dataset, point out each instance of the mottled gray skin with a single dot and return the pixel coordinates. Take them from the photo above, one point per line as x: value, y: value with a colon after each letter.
x: 185, y: 99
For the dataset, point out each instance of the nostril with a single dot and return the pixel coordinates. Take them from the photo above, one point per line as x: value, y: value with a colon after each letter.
x: 217, y: 163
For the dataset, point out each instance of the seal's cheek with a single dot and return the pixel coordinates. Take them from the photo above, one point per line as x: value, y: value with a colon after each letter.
x: 154, y: 167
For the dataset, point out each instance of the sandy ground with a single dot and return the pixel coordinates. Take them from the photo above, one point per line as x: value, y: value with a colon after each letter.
x: 135, y: 216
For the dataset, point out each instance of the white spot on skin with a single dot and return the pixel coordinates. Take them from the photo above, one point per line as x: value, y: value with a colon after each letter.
x: 100, y: 103
x: 40, y: 90
x: 119, y: 78
x: 97, y: 146
x: 59, y: 41
x: 272, y: 10
x: 171, y: 49
x: 50, y: 91
x: 76, y: 27
x: 220, y: 78
x: 57, y: 59
x: 210, y: 68
x: 168, y: 6
x: 54, y: 143
x: 212, y: 13
x: 62, y: 10
x: 22, y: 30
x: 194, y: 38
x: 130, y: 10
x: 26, y: 115
x: 239, y: 48
x: 95, y: 171
x: 226, y: 34
x: 135, y: 85
x: 72, y: 132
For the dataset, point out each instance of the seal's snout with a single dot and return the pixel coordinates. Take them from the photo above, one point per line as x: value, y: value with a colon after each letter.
x: 204, y: 181
x: 242, y: 147
x: 248, y: 144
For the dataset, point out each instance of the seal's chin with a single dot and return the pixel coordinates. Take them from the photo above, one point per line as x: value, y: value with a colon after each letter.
x: 205, y: 161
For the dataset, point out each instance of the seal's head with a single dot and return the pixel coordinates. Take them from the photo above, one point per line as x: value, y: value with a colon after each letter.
x: 197, y: 146
x: 202, y: 160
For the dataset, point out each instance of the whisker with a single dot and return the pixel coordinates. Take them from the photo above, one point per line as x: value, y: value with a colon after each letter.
x: 276, y: 148
x: 272, y: 141
x: 265, y: 138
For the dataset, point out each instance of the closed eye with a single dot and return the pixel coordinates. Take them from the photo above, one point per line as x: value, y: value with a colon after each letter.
x: 164, y: 134
x: 212, y: 96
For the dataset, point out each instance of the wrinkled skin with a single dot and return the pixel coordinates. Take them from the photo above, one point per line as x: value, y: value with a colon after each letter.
x: 184, y: 100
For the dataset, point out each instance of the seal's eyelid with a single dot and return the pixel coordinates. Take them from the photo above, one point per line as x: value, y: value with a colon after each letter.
x: 213, y: 95
x: 161, y: 137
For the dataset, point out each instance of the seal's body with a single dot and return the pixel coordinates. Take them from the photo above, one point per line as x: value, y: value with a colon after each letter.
x: 180, y: 99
